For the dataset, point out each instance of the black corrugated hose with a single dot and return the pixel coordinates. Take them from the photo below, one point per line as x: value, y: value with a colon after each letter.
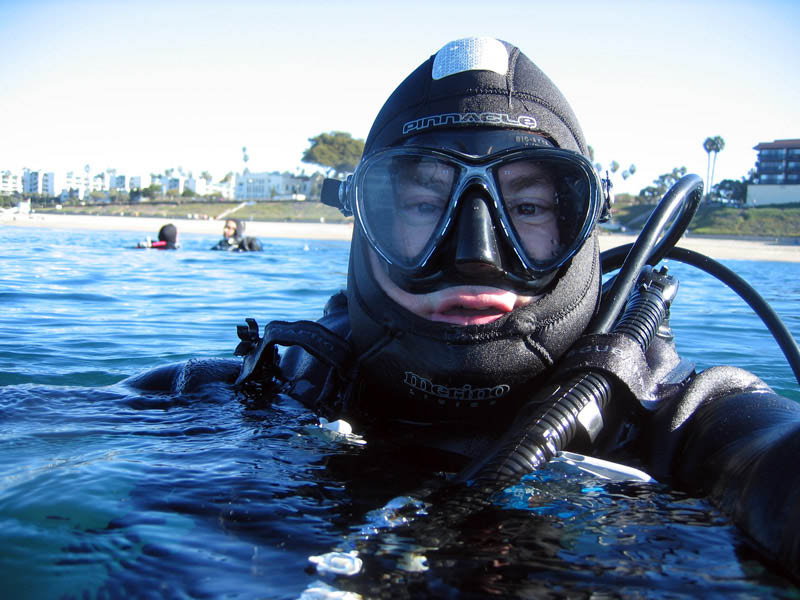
x: 549, y: 422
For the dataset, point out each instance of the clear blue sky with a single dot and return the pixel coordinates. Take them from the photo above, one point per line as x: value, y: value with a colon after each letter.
x: 144, y: 86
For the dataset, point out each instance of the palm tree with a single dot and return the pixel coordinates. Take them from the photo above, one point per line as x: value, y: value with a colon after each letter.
x: 719, y: 145
x: 712, y: 144
x: 708, y: 146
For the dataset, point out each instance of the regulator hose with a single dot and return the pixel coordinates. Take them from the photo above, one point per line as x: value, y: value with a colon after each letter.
x: 612, y: 259
x: 574, y: 404
x: 548, y: 422
x: 679, y: 203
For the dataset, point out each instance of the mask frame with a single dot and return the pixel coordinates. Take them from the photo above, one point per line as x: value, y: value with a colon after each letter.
x: 477, y: 152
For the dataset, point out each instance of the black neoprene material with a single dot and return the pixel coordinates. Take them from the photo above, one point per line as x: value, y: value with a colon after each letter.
x: 169, y: 234
x: 424, y: 371
x: 731, y: 437
x: 525, y: 91
x: 418, y: 370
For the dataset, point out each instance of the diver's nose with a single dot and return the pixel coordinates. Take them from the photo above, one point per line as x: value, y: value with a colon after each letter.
x: 477, y: 254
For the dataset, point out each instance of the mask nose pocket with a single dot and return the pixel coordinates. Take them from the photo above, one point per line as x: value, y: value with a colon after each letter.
x: 477, y: 252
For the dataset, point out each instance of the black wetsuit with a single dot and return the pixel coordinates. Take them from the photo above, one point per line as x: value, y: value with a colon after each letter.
x: 721, y: 433
x: 238, y: 244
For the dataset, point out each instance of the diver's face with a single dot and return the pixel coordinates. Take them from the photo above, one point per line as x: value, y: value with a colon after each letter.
x: 528, y: 195
x: 529, y: 198
x: 229, y: 230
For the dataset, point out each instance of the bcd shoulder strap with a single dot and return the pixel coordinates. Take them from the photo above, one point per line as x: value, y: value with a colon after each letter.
x: 261, y: 355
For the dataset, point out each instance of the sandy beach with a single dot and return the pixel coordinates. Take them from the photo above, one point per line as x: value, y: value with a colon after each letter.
x: 151, y: 225
x: 716, y: 248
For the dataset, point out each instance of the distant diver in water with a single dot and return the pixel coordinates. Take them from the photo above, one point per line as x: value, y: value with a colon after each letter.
x: 234, y: 240
x: 167, y: 239
x: 476, y: 323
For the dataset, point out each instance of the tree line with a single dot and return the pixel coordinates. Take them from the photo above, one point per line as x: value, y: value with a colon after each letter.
x: 338, y: 152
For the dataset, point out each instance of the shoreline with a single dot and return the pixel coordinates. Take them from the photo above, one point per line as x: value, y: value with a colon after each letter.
x: 714, y: 247
x: 151, y: 225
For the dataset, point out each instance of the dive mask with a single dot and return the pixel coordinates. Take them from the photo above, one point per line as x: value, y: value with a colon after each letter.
x: 507, y: 213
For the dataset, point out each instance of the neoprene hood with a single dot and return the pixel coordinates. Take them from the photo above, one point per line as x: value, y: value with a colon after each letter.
x: 500, y: 88
x: 415, y: 370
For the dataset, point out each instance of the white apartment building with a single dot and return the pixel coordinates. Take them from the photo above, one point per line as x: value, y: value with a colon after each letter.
x: 271, y: 186
x: 31, y: 183
x: 117, y: 182
x: 140, y: 182
x: 175, y: 185
x: 198, y: 185
x: 201, y: 187
x: 224, y: 189
x: 81, y: 183
x: 777, y: 178
x: 52, y: 184
x: 108, y: 181
x: 76, y: 185
x: 10, y: 183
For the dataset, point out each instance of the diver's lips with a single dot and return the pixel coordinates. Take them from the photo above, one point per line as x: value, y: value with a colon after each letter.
x: 474, y: 309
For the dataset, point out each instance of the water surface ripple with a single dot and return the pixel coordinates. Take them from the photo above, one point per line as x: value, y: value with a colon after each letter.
x: 109, y: 494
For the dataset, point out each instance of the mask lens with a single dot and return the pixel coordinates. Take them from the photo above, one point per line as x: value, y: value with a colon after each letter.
x: 403, y: 200
x: 547, y: 203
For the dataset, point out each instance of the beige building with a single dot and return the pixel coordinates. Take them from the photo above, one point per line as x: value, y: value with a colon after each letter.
x: 777, y: 179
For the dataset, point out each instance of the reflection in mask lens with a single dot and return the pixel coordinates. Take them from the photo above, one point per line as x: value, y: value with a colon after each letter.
x: 528, y: 189
x: 406, y: 199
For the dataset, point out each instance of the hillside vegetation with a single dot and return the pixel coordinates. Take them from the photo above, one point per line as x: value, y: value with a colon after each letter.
x: 762, y: 221
x: 714, y: 219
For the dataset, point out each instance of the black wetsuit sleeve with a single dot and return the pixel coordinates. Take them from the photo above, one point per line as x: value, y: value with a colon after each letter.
x: 740, y: 447
x: 184, y: 378
x: 252, y: 244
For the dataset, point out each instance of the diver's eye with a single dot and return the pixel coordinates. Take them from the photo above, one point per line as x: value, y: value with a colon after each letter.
x: 426, y: 208
x: 421, y: 208
x: 531, y: 211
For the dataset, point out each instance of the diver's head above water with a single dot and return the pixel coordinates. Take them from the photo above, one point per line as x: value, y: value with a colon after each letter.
x: 472, y: 209
x: 168, y: 234
x: 233, y: 229
x: 474, y: 262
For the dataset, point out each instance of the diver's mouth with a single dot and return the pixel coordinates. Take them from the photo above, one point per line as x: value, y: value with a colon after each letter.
x: 473, y: 309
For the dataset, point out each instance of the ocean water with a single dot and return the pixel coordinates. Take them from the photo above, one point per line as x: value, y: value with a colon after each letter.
x: 109, y: 494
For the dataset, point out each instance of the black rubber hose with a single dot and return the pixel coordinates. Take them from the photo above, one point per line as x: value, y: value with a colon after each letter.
x: 611, y: 259
x: 549, y: 422
x: 539, y: 435
x: 684, y: 196
x: 642, y: 320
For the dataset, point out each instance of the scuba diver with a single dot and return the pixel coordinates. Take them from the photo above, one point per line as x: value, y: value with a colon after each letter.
x: 475, y: 320
x: 234, y: 240
x: 167, y: 239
